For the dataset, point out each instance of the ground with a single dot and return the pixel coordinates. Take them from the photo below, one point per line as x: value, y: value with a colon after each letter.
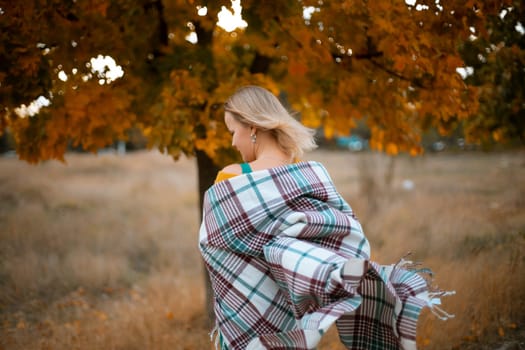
x: 101, y: 252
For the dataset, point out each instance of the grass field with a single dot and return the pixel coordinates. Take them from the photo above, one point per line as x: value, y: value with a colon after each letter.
x: 101, y: 253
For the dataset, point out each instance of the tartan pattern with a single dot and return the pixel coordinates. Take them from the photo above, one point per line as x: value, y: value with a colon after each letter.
x: 287, y: 259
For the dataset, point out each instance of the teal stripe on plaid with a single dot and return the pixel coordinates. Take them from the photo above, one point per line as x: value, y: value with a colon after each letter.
x: 411, y: 311
x: 230, y: 313
x: 260, y: 196
x: 218, y: 264
x: 296, y: 172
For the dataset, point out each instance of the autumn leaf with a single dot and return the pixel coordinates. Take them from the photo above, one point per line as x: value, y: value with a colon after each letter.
x: 348, y: 61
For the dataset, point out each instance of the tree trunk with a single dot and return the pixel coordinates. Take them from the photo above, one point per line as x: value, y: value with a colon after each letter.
x: 207, y: 171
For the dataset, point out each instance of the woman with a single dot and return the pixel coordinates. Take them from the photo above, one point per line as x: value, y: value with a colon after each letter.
x: 286, y: 256
x: 263, y: 132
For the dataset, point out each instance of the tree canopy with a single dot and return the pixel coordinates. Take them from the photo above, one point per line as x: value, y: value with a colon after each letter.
x: 497, y: 60
x: 392, y: 64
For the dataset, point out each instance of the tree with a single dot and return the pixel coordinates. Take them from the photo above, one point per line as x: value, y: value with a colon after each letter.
x: 390, y: 63
x: 497, y: 60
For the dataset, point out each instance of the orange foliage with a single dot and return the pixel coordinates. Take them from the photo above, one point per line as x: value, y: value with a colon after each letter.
x: 386, y: 62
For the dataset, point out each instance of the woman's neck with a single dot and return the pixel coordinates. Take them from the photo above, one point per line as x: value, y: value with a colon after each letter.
x: 271, y: 159
x: 267, y: 152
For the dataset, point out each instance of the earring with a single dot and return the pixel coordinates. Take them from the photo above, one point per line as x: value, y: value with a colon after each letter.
x: 253, y: 137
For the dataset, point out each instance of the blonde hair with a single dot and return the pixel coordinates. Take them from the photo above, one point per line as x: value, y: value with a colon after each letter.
x: 258, y: 107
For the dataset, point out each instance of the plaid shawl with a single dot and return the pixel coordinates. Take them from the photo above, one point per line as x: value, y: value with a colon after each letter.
x: 287, y: 259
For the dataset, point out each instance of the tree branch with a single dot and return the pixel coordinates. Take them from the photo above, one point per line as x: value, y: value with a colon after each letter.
x: 367, y: 55
x: 278, y: 21
x: 162, y: 29
x: 71, y: 17
x: 345, y: 60
x: 396, y: 74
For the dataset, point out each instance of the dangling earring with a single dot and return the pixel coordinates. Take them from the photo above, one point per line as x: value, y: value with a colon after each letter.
x: 253, y: 137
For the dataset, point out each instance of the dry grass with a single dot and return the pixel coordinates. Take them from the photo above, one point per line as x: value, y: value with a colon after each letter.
x: 102, y: 253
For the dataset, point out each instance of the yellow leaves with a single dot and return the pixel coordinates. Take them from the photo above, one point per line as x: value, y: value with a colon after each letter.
x: 215, y: 139
x: 247, y: 78
x: 498, y: 135
x: 184, y: 127
x: 501, y: 332
x: 392, y: 149
x: 337, y: 119
x: 76, y: 105
x: 90, y: 120
x: 98, y: 6
x: 147, y: 131
x: 415, y: 150
x: 453, y: 62
x: 336, y: 110
x: 185, y: 90
x: 425, y: 40
x: 444, y: 106
x: 404, y: 44
x: 364, y: 103
x: 307, y: 106
x: 310, y: 116
x: 399, y: 63
x: 93, y: 116
x: 384, y: 24
x: 328, y: 130
x: 375, y: 144
x: 398, y: 135
x: 188, y: 117
x: 179, y: 114
x: 28, y: 61
x: 302, y: 34
x: 296, y: 67
x: 424, y: 65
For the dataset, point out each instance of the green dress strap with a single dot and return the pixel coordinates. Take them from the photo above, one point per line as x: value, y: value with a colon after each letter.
x: 246, y: 168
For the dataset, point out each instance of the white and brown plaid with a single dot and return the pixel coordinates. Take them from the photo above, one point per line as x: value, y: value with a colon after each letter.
x: 287, y: 259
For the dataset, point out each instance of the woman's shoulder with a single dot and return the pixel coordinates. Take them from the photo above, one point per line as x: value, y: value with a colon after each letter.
x: 232, y: 169
x: 228, y: 172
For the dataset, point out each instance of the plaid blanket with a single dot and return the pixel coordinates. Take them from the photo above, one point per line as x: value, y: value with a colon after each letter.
x: 287, y: 259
